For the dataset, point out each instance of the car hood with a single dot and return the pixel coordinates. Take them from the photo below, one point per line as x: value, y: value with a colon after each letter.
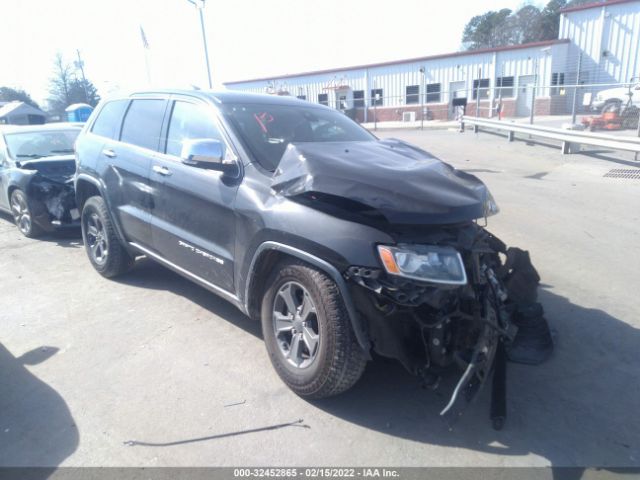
x: 386, y: 180
x: 60, y: 168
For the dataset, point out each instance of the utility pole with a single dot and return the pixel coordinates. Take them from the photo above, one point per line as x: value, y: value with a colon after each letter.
x: 424, y: 93
x: 375, y: 105
x: 80, y: 65
x: 575, y: 91
x: 199, y: 4
x: 533, y: 92
x: 478, y: 92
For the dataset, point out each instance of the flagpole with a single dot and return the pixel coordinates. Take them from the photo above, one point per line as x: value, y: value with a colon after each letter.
x: 145, y: 46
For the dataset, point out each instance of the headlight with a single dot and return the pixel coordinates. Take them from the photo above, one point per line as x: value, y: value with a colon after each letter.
x: 490, y: 205
x: 428, y: 263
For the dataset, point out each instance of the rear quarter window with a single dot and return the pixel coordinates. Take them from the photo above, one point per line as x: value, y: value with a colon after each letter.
x: 143, y: 123
x: 109, y: 119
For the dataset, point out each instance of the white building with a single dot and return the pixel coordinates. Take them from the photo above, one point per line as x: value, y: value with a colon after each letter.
x: 608, y: 36
x: 606, y: 33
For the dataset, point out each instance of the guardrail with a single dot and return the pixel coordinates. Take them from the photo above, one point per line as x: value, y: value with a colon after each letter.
x: 571, y: 139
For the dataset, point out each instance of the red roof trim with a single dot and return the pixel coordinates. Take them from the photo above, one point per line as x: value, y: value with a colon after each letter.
x: 409, y: 60
x: 602, y: 3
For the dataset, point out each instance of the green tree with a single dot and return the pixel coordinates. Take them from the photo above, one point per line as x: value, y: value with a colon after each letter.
x: 8, y: 94
x: 504, y: 27
x: 83, y: 91
x: 487, y: 30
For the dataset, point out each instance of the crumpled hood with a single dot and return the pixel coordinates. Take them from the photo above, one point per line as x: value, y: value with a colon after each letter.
x: 404, y: 184
x: 59, y: 168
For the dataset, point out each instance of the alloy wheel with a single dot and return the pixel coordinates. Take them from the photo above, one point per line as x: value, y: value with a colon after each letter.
x: 97, y: 239
x: 295, y: 324
x: 21, y: 213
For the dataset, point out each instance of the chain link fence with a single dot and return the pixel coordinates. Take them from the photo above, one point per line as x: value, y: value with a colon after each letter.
x: 609, y: 107
x: 573, y: 92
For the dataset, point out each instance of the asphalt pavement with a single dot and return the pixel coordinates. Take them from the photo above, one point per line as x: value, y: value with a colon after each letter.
x: 152, y: 370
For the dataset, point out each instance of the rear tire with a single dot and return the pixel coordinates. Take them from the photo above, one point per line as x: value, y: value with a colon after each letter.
x: 106, y: 253
x: 330, y: 360
x: 22, y: 213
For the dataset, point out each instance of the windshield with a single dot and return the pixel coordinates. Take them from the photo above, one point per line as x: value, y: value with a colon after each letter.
x: 267, y: 129
x: 26, y: 145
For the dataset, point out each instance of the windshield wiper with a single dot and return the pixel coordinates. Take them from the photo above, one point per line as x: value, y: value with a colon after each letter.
x: 66, y: 150
x: 29, y: 155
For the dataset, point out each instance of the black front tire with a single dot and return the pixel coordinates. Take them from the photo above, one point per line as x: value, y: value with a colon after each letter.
x: 106, y: 253
x: 339, y: 360
x: 22, y: 211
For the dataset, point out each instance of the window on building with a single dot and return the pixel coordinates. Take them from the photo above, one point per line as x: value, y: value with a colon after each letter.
x: 301, y: 97
x: 142, y: 123
x: 433, y: 93
x: 557, y: 79
x: 358, y: 98
x: 190, y: 121
x: 376, y: 96
x: 323, y: 98
x: 412, y: 94
x: 504, y: 87
x: 110, y: 119
x: 481, y: 87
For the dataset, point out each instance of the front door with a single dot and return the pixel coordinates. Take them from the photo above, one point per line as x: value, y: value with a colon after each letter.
x: 193, y: 224
x: 525, y: 95
x: 456, y: 90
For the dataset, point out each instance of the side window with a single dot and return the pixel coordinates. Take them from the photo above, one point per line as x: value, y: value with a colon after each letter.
x: 190, y: 121
x: 109, y: 119
x: 143, y: 122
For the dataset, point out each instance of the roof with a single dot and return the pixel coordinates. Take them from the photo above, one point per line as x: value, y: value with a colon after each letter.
x: 603, y: 3
x: 14, y: 107
x: 39, y: 128
x: 76, y: 106
x: 222, y: 97
x: 412, y: 60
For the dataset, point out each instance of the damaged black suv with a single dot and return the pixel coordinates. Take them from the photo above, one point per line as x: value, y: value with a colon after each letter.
x: 339, y: 243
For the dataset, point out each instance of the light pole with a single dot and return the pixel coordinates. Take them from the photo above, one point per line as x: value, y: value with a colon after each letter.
x: 80, y: 65
x: 199, y: 4
x: 424, y: 93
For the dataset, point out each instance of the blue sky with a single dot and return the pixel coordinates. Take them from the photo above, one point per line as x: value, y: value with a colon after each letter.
x: 247, y: 38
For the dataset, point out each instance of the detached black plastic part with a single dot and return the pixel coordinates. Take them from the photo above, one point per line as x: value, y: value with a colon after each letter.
x: 533, y: 344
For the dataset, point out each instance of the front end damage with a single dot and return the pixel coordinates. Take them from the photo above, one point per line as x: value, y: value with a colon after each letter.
x: 51, y: 192
x: 431, y: 328
x: 445, y: 293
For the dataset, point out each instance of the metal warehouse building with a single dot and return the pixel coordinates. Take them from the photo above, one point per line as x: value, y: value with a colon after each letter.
x: 599, y: 43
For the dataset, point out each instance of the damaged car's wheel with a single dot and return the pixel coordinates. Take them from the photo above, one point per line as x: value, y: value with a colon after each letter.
x: 103, y: 247
x: 23, y: 216
x: 307, y: 332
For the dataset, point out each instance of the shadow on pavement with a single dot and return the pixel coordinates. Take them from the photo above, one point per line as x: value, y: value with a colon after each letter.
x: 69, y: 237
x: 36, y: 426
x: 151, y: 275
x: 578, y: 409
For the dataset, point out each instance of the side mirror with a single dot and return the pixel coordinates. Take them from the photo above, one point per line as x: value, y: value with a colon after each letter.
x: 207, y: 154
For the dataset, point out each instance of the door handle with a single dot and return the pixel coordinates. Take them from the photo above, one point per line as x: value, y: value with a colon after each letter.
x: 162, y: 170
x: 107, y: 152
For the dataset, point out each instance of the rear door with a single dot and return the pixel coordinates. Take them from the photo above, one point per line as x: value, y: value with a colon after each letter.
x: 193, y: 218
x: 128, y: 163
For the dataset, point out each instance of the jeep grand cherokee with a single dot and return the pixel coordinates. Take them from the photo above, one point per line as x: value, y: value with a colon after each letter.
x: 341, y: 244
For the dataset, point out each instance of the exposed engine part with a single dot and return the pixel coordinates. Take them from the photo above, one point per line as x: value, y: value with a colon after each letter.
x: 477, y: 326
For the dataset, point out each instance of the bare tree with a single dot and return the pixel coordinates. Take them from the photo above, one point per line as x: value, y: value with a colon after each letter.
x: 60, y: 85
